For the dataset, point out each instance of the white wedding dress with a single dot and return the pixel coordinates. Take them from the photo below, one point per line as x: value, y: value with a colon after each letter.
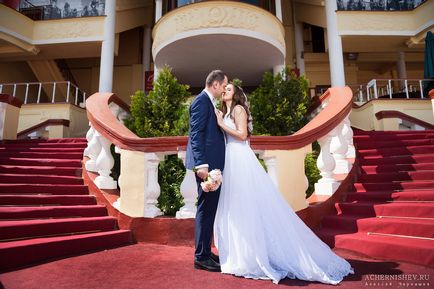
x: 257, y: 233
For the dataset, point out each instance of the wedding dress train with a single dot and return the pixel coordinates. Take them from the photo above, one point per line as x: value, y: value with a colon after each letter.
x: 257, y: 233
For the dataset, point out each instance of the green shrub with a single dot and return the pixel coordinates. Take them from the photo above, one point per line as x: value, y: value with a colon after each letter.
x: 279, y: 107
x: 163, y: 112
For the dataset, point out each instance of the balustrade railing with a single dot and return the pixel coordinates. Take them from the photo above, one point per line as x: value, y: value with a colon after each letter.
x: 283, y: 155
x: 45, y: 92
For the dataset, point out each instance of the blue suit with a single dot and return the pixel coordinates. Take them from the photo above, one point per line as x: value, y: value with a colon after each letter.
x: 206, y: 145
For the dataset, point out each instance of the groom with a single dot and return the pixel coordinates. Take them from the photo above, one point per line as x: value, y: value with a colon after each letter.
x: 205, y: 152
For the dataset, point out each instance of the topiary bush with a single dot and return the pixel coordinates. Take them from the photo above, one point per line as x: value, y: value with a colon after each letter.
x: 279, y: 107
x: 163, y: 112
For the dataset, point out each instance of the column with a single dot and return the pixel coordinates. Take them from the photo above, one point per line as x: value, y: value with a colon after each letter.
x: 336, y: 59
x: 402, y: 70
x: 299, y: 46
x: 107, y: 49
x: 158, y: 9
x: 279, y: 10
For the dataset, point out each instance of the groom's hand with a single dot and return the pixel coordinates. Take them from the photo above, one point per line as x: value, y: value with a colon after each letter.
x: 202, y: 173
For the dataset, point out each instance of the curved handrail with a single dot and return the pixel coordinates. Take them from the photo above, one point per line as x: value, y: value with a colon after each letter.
x: 102, y: 119
x: 48, y: 122
x: 431, y: 93
x: 397, y: 114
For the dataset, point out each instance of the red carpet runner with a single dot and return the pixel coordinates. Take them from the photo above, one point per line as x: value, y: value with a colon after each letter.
x: 45, y: 209
x: 390, y: 212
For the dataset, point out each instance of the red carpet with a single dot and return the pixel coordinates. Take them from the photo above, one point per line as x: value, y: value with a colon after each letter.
x: 390, y: 212
x: 45, y: 209
x: 152, y: 266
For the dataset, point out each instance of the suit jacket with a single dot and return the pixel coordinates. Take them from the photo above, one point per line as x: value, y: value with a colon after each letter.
x: 206, y: 143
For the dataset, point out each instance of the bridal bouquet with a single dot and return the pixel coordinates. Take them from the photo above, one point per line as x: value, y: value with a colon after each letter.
x: 212, y: 181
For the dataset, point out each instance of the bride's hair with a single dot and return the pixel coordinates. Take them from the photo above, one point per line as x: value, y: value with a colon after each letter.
x: 239, y: 98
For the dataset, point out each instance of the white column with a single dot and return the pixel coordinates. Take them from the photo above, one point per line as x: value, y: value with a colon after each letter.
x: 189, y: 193
x: 108, y: 47
x: 336, y: 59
x: 279, y: 10
x: 299, y: 47
x: 158, y: 9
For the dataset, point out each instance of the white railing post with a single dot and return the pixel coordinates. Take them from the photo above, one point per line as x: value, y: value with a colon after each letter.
x: 105, y: 163
x: 406, y: 88
x: 389, y: 85
x: 27, y: 93
x: 67, y: 91
x: 339, y: 149
x: 76, y: 95
x: 327, y: 185
x: 188, y: 191
x: 39, y: 93
x: 54, y: 92
x: 93, y: 150
x: 152, y: 190
x: 89, y: 136
x: 375, y: 89
x: 15, y: 90
x: 421, y: 88
x: 1, y: 88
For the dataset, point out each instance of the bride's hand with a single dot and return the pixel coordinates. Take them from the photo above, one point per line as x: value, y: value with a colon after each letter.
x: 219, y: 115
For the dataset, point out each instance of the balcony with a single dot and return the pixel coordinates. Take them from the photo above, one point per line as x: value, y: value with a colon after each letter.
x: 242, y: 39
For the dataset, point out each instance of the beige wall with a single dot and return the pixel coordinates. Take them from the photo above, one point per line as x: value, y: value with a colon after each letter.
x: 33, y: 114
x: 364, y: 117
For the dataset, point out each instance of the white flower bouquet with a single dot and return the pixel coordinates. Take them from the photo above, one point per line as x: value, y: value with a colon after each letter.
x: 212, y: 181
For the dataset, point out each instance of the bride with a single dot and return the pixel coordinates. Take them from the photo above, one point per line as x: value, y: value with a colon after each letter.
x: 256, y: 232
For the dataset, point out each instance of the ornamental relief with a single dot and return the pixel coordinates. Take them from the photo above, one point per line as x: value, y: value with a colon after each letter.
x: 216, y: 17
x: 68, y: 30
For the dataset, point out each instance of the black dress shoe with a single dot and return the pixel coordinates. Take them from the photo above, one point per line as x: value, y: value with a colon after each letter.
x: 215, y: 258
x: 208, y: 264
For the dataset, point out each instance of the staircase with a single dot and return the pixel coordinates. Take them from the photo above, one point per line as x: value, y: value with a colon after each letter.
x: 390, y: 212
x: 45, y: 209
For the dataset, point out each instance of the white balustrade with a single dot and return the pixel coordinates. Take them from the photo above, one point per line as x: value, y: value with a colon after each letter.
x: 104, y: 164
x: 89, y: 136
x: 327, y: 185
x: 152, y: 189
x: 347, y: 131
x: 189, y: 193
x: 339, y: 149
x: 93, y: 150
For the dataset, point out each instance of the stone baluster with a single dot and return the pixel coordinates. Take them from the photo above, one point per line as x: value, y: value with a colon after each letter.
x: 189, y: 193
x: 89, y: 136
x: 271, y: 163
x: 104, y: 164
x: 93, y: 149
x: 327, y: 185
x: 347, y: 131
x: 339, y: 148
x: 152, y: 189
